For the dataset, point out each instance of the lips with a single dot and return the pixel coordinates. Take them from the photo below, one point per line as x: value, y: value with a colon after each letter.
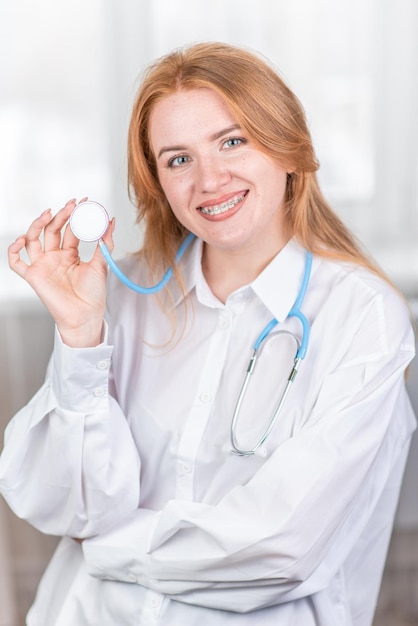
x: 222, y: 207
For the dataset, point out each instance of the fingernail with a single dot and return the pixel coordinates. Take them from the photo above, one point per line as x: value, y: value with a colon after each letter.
x: 45, y: 212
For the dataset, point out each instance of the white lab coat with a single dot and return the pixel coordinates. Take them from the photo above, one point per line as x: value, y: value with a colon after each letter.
x: 126, y: 446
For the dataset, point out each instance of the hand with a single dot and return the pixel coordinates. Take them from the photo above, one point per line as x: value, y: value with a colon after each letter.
x: 74, y: 292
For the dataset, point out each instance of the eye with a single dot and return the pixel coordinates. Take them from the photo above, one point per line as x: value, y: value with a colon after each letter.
x: 232, y: 142
x: 178, y: 161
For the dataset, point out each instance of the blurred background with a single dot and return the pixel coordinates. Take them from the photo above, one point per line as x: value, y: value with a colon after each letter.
x: 69, y: 71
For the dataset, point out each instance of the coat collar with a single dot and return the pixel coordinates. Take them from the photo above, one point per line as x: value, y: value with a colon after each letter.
x: 277, y: 286
x: 279, y: 283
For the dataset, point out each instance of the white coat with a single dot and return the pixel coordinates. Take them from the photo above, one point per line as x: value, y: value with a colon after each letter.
x: 124, y: 446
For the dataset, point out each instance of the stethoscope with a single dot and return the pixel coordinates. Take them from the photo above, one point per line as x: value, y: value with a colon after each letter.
x: 89, y: 222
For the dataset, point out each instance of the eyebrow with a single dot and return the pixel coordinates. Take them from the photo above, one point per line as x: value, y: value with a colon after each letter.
x: 213, y: 137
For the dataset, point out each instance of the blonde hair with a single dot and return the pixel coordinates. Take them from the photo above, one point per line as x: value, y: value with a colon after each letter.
x: 274, y: 120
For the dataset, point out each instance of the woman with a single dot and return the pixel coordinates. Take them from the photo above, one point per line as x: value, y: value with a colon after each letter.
x: 127, y: 452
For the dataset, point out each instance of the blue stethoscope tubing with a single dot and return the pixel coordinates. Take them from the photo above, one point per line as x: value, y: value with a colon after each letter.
x: 139, y: 288
x: 300, y: 354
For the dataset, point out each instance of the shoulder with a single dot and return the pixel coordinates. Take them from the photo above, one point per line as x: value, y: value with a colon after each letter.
x: 358, y: 304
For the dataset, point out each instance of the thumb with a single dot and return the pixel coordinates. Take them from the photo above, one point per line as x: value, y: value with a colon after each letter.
x: 100, y: 253
x: 108, y: 236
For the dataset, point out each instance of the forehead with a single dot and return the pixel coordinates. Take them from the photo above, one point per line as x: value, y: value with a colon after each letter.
x: 187, y: 112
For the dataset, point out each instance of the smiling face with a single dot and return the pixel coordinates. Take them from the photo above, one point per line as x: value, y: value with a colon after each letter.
x: 219, y: 185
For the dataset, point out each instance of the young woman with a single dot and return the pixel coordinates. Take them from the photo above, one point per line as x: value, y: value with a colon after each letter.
x: 177, y: 502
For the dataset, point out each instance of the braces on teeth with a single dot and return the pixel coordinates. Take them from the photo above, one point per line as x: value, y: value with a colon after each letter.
x: 222, y: 208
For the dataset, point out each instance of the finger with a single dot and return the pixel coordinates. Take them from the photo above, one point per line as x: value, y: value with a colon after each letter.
x: 52, y: 234
x: 32, y: 237
x: 108, y: 236
x: 15, y: 262
x: 69, y: 240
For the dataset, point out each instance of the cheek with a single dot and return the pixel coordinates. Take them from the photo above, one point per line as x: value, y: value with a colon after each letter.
x: 174, y: 189
x: 178, y: 199
x: 177, y: 204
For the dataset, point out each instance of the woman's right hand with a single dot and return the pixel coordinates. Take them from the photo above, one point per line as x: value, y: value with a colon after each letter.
x: 74, y: 292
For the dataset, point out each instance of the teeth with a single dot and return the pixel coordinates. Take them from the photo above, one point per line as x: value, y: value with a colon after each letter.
x: 222, y: 208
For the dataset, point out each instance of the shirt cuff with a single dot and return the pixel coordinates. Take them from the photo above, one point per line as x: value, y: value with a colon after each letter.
x: 122, y: 553
x: 80, y: 376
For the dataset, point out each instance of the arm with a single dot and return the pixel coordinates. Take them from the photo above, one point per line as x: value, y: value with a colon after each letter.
x: 69, y: 465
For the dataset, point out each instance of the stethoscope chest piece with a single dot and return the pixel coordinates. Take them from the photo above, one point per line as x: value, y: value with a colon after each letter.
x: 89, y: 221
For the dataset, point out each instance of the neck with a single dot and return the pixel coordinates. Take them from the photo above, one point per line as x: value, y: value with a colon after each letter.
x: 226, y: 271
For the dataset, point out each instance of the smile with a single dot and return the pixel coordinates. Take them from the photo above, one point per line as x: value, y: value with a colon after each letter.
x: 218, y: 209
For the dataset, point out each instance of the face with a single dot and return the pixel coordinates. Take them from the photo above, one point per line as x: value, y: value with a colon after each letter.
x: 219, y: 185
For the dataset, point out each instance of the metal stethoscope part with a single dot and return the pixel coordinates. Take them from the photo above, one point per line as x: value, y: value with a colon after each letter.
x: 299, y: 356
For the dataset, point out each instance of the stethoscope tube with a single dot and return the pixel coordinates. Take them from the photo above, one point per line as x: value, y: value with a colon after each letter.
x: 294, y: 312
x: 139, y: 288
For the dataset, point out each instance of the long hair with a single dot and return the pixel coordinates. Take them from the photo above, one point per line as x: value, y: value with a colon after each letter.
x: 274, y: 120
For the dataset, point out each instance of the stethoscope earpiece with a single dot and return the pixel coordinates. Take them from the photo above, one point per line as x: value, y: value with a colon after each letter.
x: 89, y: 221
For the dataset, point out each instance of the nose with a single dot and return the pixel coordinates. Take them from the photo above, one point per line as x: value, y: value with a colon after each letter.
x: 212, y: 173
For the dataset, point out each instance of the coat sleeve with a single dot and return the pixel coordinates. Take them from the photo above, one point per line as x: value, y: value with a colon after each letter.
x: 69, y: 464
